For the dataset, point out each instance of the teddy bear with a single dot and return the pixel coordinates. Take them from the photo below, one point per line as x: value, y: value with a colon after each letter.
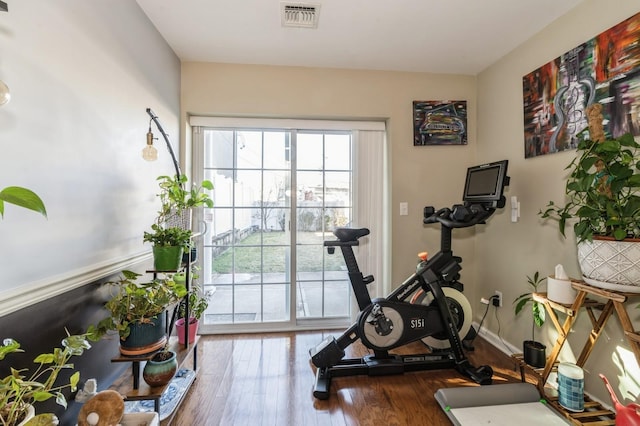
x: 106, y: 408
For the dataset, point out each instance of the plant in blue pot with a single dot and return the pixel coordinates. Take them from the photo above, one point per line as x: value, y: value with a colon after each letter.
x: 137, y: 312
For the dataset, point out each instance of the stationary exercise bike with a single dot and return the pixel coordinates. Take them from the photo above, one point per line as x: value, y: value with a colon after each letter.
x: 387, y: 323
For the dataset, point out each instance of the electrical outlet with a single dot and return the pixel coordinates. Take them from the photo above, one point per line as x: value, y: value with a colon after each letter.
x: 497, y: 299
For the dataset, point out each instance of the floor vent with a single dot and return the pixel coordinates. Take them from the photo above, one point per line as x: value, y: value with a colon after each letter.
x: 303, y: 15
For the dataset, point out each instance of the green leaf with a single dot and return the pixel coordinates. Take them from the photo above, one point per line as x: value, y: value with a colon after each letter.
x: 40, y: 396
x: 619, y: 234
x: 521, y: 303
x: 9, y: 346
x: 22, y: 197
x: 73, y: 380
x: 45, y: 359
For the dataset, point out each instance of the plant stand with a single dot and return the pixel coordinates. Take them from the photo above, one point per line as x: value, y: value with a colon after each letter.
x: 141, y: 391
x: 614, y: 302
x: 137, y: 390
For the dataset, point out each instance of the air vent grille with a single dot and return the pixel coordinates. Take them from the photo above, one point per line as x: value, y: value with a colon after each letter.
x: 303, y: 15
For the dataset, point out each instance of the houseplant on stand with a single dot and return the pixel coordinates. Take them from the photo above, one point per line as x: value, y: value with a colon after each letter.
x: 198, y: 303
x: 160, y: 369
x: 602, y: 196
x: 534, y: 352
x: 177, y: 200
x: 137, y: 312
x: 168, y: 246
x: 22, y: 389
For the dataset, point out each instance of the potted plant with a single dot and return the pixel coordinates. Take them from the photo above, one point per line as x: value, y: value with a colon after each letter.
x: 21, y: 197
x: 137, y: 312
x: 198, y: 302
x: 160, y: 369
x: 534, y: 352
x: 602, y: 196
x: 168, y: 246
x: 22, y: 389
x: 177, y: 200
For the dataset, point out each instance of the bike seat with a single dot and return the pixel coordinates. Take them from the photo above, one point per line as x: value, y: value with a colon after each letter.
x: 350, y: 234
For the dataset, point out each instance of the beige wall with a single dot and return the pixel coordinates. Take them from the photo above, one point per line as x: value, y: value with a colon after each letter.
x: 497, y: 256
x: 419, y: 175
x: 508, y: 252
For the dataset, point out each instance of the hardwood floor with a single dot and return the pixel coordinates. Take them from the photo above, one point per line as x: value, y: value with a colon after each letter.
x: 267, y: 379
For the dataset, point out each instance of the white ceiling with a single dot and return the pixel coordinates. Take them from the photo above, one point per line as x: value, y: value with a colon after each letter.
x: 441, y: 36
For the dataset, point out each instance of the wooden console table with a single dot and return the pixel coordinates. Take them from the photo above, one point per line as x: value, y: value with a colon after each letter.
x: 614, y: 302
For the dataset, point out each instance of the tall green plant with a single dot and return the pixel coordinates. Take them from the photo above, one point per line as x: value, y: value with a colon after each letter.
x: 21, y: 197
x: 602, y: 188
x: 537, y: 308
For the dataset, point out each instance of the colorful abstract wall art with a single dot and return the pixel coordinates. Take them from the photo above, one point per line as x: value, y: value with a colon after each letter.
x: 605, y: 69
x: 439, y: 123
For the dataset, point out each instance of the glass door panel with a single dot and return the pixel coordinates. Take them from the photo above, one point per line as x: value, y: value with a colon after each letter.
x: 248, y: 257
x: 324, y: 202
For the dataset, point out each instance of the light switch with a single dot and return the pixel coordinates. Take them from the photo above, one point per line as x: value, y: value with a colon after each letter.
x: 515, y: 209
x: 404, y: 208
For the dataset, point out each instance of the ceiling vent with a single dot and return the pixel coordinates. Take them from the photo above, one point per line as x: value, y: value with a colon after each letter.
x: 302, y: 15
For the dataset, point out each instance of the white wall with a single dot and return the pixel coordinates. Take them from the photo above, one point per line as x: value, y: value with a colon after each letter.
x: 508, y: 252
x: 81, y: 75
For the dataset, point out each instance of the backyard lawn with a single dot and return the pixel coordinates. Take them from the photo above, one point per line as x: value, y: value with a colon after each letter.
x: 267, y: 252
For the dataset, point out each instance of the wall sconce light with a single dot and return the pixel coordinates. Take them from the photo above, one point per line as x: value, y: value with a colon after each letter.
x: 150, y: 153
x: 5, y: 94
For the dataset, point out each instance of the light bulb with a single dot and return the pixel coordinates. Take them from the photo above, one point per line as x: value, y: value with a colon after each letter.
x: 149, y: 153
x: 5, y: 95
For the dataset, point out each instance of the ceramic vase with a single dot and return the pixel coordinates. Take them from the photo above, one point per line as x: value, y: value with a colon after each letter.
x: 159, y: 372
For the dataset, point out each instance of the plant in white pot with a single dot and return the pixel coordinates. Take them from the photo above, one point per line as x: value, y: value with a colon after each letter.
x: 534, y: 352
x: 23, y: 389
x: 604, y: 200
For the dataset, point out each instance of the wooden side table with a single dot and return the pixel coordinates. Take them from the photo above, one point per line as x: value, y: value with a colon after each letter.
x: 614, y: 302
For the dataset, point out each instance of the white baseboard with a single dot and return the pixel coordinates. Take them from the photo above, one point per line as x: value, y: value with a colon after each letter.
x: 503, y: 346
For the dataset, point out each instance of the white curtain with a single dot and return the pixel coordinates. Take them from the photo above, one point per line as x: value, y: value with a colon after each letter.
x: 372, y: 208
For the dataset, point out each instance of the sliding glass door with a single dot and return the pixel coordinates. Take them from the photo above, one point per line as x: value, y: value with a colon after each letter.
x: 278, y: 195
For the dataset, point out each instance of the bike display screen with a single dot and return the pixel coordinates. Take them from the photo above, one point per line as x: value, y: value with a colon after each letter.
x: 485, y: 183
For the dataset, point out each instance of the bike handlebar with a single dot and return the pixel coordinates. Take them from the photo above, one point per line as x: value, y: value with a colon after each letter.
x: 461, y: 216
